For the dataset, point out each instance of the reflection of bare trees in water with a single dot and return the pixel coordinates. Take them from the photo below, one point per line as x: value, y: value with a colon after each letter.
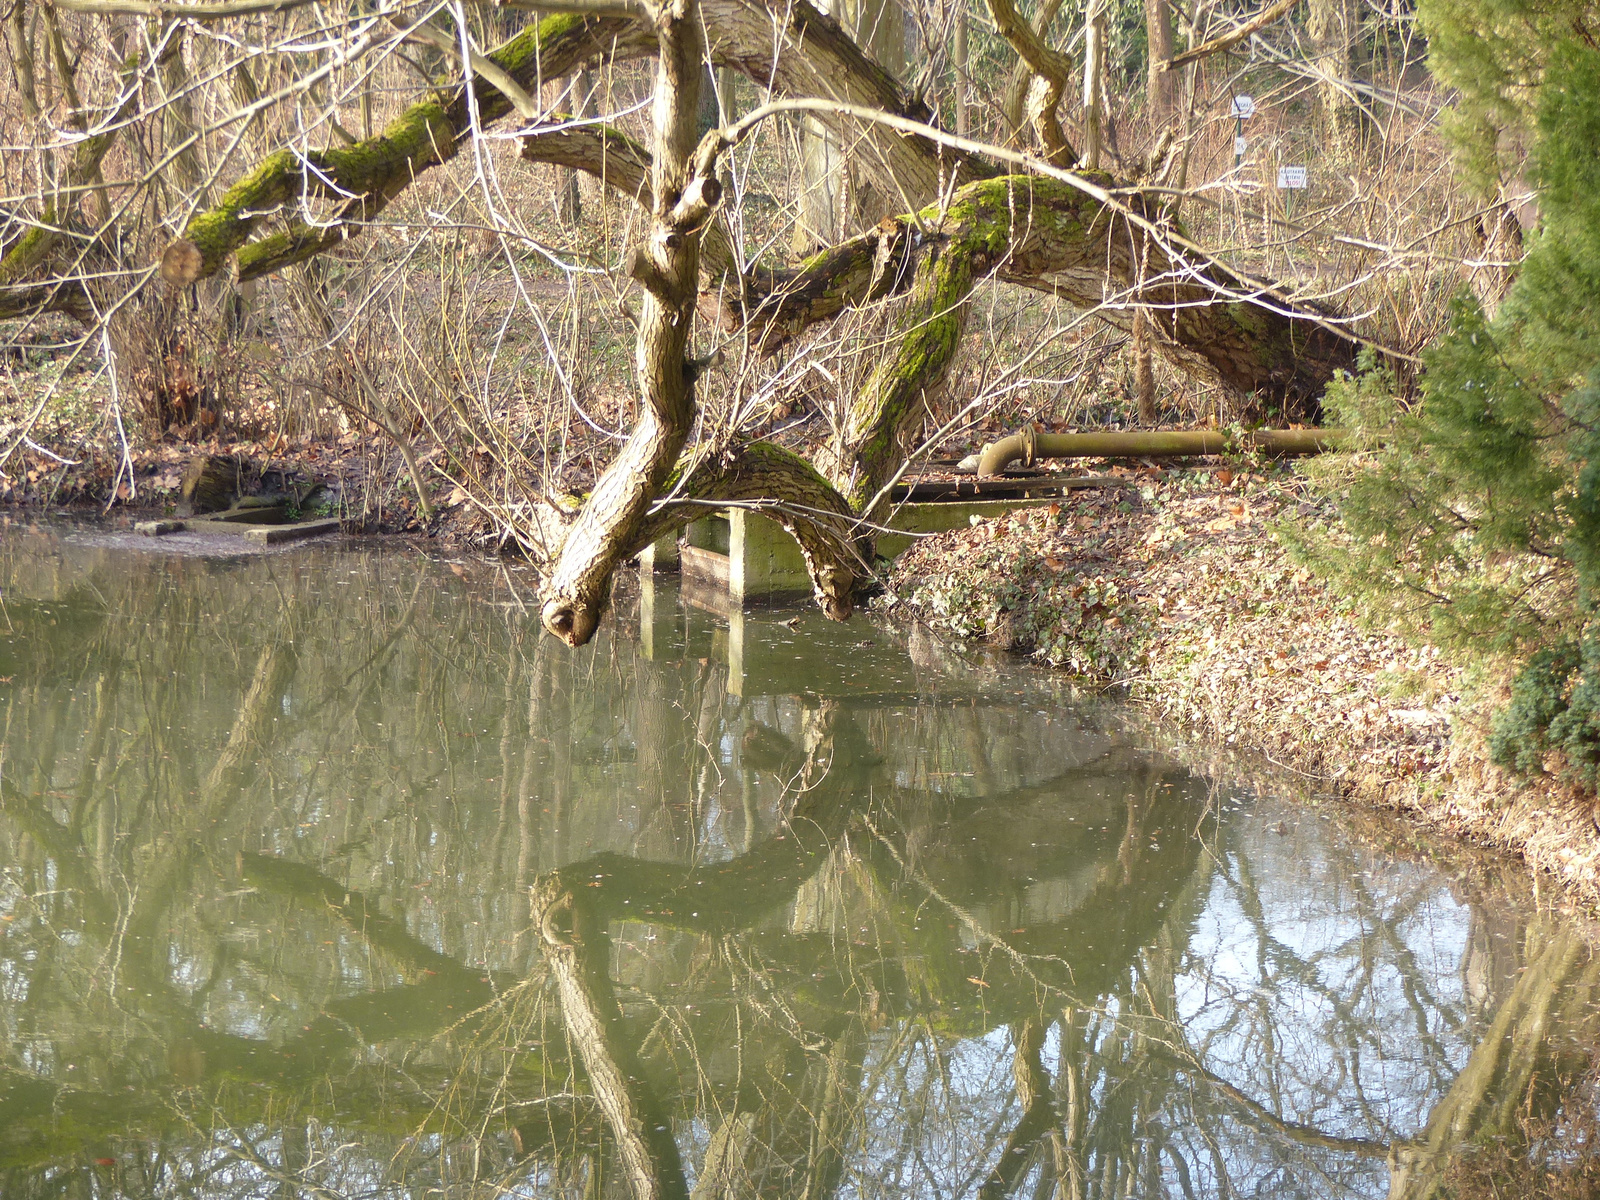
x: 379, y: 897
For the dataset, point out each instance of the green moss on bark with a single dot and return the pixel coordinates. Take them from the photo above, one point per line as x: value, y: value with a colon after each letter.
x: 376, y: 169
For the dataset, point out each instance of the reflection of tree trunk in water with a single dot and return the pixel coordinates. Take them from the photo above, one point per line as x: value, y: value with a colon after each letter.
x: 726, y: 1171
x: 535, y: 766
x: 561, y: 697
x: 838, y: 1078
x: 709, y: 776
x: 577, y: 950
x: 1038, y: 1113
x: 1071, y: 1151
x: 664, y: 740
x: 1520, y: 1068
x: 1492, y: 957
x: 296, y: 1158
x: 977, y: 747
x: 796, y: 1143
x: 222, y: 784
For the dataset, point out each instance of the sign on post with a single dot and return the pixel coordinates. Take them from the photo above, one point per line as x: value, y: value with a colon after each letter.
x: 1244, y: 106
x: 1291, y: 178
x: 1239, y: 147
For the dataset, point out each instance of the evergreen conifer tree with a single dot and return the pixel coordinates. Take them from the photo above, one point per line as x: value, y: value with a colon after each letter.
x: 1475, y: 517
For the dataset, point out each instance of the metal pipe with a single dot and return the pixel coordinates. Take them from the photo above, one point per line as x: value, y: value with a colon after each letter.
x: 1030, y: 444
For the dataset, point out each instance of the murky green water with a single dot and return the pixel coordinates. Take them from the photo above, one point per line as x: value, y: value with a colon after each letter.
x: 325, y: 874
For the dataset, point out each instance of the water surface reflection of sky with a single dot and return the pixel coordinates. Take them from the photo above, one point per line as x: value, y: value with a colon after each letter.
x: 328, y: 871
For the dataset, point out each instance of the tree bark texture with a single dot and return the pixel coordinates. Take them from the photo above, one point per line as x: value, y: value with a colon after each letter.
x: 667, y: 265
x: 1161, y: 86
x: 838, y: 195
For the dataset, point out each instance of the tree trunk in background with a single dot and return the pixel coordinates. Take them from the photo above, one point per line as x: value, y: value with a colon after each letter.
x: 569, y: 196
x: 1500, y: 233
x: 958, y: 57
x: 1334, y: 27
x: 836, y: 201
x: 1144, y: 375
x: 1094, y: 84
x: 1160, y: 86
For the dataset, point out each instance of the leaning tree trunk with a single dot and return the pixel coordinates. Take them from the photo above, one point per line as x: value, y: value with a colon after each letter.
x: 667, y: 265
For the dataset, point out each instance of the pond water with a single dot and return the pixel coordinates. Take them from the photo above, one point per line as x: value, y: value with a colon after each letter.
x: 326, y: 874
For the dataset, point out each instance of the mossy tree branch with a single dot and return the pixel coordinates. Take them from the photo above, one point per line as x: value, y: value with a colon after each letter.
x: 375, y: 170
x: 21, y: 290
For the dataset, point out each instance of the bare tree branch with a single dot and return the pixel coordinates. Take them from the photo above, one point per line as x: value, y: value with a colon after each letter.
x: 1233, y: 37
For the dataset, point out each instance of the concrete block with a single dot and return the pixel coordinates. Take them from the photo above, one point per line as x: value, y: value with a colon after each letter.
x: 764, y: 562
x: 272, y: 535
x: 159, y: 528
x: 710, y: 533
x: 660, y: 555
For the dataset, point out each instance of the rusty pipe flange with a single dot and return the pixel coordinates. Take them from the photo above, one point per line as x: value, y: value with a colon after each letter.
x: 1030, y: 443
x: 997, y: 456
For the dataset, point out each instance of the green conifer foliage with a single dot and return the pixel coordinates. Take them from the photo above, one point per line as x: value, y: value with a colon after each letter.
x: 1475, y: 517
x: 1495, y: 54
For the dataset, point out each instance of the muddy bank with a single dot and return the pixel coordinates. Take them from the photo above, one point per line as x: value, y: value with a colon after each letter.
x: 1175, y: 588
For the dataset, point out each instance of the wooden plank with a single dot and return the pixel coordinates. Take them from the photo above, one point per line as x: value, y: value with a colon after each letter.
x: 271, y: 535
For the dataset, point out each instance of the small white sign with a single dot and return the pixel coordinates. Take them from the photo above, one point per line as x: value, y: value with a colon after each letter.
x: 1291, y: 177
x: 1244, y: 106
x: 1238, y: 147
